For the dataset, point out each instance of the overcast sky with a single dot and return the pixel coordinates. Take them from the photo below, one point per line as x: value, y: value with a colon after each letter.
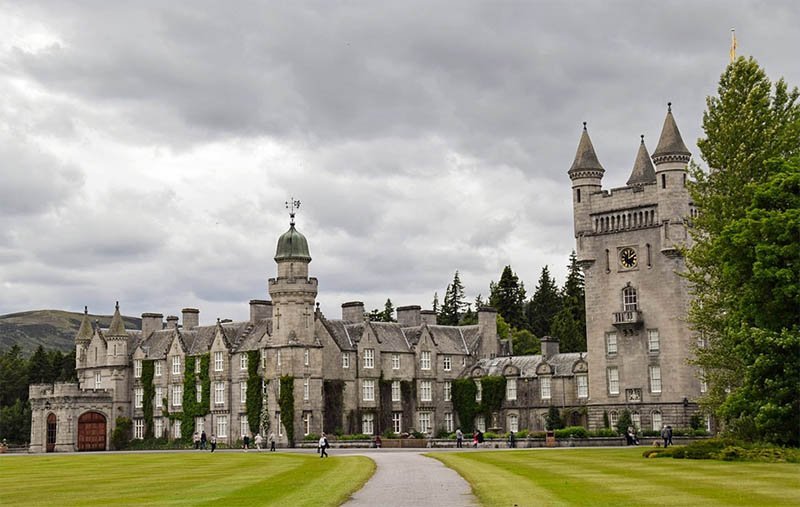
x: 146, y: 152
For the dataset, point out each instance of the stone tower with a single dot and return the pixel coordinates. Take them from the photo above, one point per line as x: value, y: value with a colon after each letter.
x: 117, y: 339
x: 628, y: 244
x: 82, y: 340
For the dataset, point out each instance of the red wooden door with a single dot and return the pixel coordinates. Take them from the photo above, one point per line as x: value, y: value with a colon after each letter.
x: 51, y: 432
x: 92, y: 432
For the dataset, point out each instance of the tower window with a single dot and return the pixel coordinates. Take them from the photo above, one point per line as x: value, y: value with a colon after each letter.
x: 578, y: 192
x: 630, y: 301
x: 663, y: 181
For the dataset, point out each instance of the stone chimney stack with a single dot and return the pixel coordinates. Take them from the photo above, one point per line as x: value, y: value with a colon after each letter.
x: 260, y: 309
x: 151, y: 322
x: 353, y: 312
x: 172, y: 322
x: 549, y: 346
x: 428, y: 317
x: 409, y: 316
x: 191, y: 318
x: 487, y: 327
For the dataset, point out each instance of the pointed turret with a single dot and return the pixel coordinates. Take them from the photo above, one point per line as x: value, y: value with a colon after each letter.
x: 117, y: 326
x: 85, y: 332
x: 585, y: 158
x: 671, y: 147
x: 643, y: 172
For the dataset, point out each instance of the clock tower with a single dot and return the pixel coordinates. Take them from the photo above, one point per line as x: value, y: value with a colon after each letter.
x: 629, y: 242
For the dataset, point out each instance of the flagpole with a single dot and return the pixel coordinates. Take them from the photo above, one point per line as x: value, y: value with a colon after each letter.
x: 733, y: 44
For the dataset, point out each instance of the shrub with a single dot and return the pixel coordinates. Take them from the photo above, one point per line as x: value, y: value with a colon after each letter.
x: 651, y: 433
x: 731, y: 453
x: 538, y: 434
x: 572, y: 431
x: 356, y: 436
x: 490, y: 434
x: 603, y: 432
x: 311, y: 437
x: 121, y: 436
x: 523, y: 434
x: 443, y: 433
x: 624, y: 422
x: 553, y: 419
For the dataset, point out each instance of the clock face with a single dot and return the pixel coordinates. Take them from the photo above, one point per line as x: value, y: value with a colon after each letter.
x: 627, y: 257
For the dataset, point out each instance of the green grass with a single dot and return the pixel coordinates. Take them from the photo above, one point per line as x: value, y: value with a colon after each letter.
x: 189, y: 478
x: 620, y: 477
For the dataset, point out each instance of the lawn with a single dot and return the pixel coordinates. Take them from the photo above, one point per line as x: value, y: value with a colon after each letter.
x: 620, y: 477
x: 186, y: 478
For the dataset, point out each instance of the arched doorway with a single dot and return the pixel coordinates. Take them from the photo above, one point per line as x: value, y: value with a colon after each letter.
x: 92, y: 432
x: 51, y: 432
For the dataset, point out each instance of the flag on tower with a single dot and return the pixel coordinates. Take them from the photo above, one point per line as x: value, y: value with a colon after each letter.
x: 733, y: 44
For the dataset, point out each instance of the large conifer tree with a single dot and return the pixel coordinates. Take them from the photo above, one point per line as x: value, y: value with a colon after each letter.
x: 508, y: 298
x: 544, y: 305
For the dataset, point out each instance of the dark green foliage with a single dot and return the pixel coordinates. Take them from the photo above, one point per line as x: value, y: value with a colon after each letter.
x: 624, y: 422
x: 286, y: 402
x: 333, y: 399
x: 435, y: 303
x: 408, y: 395
x: 121, y: 436
x: 449, y: 314
x: 254, y: 394
x: 388, y: 312
x: 149, y: 392
x: 606, y: 423
x: 569, y: 324
x: 40, y: 368
x: 572, y: 431
x: 553, y: 419
x: 384, y: 421
x: 525, y: 343
x: 492, y: 395
x: 13, y: 377
x: 191, y: 407
x: 544, y: 305
x: 15, y: 422
x: 508, y: 297
x: 463, y: 395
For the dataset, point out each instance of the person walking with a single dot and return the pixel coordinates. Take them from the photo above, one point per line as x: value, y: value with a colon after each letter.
x: 196, y: 440
x: 246, y: 442
x: 213, y: 442
x: 259, y: 440
x: 272, y: 441
x: 665, y: 435
x: 203, y: 440
x: 512, y: 440
x: 475, y: 440
x: 669, y: 434
x: 459, y: 438
x: 323, y: 444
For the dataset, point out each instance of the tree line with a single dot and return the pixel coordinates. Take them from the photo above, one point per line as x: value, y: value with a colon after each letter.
x: 18, y: 372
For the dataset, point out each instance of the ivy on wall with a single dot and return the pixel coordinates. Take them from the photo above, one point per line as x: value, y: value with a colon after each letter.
x: 463, y: 395
x: 191, y: 407
x: 385, y: 406
x: 149, y: 392
x: 286, y: 402
x: 254, y: 394
x: 333, y: 405
x: 494, y: 392
x: 408, y: 395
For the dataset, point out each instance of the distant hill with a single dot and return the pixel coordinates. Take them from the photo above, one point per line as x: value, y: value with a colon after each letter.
x: 54, y: 329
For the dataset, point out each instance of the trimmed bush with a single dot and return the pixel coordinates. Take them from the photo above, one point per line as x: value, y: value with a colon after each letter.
x: 572, y: 431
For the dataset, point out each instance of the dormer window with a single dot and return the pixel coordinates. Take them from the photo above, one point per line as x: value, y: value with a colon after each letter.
x: 176, y: 365
x: 369, y: 358
x: 425, y: 360
x: 218, y: 361
x: 137, y: 368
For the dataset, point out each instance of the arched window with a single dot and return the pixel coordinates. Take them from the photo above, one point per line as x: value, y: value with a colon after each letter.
x: 655, y: 417
x: 513, y: 423
x: 613, y: 418
x: 630, y: 301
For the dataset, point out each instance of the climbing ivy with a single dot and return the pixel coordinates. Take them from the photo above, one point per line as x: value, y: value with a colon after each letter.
x: 191, y: 407
x: 408, y: 394
x: 385, y: 406
x: 286, y: 402
x: 333, y: 399
x: 149, y: 392
x: 494, y: 391
x: 463, y: 393
x: 254, y: 394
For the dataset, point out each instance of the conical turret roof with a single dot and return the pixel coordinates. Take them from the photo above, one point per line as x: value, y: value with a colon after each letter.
x: 643, y: 171
x: 85, y: 332
x: 671, y: 147
x: 117, y: 327
x: 585, y: 157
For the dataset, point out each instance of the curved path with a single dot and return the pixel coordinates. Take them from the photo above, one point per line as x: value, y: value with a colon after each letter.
x: 407, y: 478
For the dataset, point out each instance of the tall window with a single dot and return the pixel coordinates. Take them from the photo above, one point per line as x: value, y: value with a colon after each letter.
x: 177, y: 395
x: 583, y: 385
x: 243, y: 361
x: 306, y: 393
x: 447, y: 363
x: 368, y: 423
x: 138, y: 396
x: 98, y: 380
x: 306, y: 357
x: 176, y: 365
x: 611, y: 343
x: 345, y: 360
x: 198, y: 363
x: 480, y: 423
x: 653, y: 340
x: 138, y: 428
x: 425, y: 422
x: 425, y: 390
x: 513, y: 423
x: 176, y: 429
x: 369, y: 358
x: 199, y: 424
x: 478, y: 391
x: 395, y: 390
x: 306, y: 423
x: 397, y: 422
x: 159, y: 431
x: 613, y: 380
x: 243, y: 392
x: 703, y: 382
x: 657, y: 421
x: 218, y: 361
x: 511, y: 389
x: 157, y: 368
x: 425, y: 360
x: 159, y: 395
x: 278, y: 423
x: 219, y: 393
x: 395, y: 361
x: 368, y: 388
x: 448, y: 422
x: 544, y: 388
x: 222, y: 426
x: 613, y: 418
x: 137, y: 368
x: 244, y: 428
x: 655, y: 379
x: 198, y: 392
x: 278, y: 357
x: 448, y: 391
x: 629, y: 299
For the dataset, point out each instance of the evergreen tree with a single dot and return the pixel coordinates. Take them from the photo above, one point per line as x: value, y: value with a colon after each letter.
x: 544, y: 305
x: 508, y: 298
x: 469, y: 318
x: 743, y: 265
x: 435, y: 303
x: 13, y: 377
x: 39, y: 367
x: 569, y: 325
x: 387, y: 315
x: 453, y: 304
x: 524, y: 343
x: 479, y: 302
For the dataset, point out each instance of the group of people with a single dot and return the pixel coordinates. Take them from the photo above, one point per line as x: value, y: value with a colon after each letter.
x: 201, y: 441
x: 477, y: 438
x: 666, y: 435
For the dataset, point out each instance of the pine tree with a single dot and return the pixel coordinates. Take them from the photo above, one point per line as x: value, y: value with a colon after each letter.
x: 508, y: 298
x: 39, y: 367
x: 453, y: 304
x: 569, y: 325
x: 387, y: 315
x: 544, y: 305
x: 435, y: 303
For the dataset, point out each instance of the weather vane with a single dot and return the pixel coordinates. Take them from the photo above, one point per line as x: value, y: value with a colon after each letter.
x: 292, y: 205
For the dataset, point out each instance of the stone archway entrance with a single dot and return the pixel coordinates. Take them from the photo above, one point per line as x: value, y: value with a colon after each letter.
x: 51, y: 432
x: 92, y: 432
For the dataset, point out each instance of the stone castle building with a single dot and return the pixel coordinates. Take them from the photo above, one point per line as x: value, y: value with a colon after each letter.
x: 628, y: 244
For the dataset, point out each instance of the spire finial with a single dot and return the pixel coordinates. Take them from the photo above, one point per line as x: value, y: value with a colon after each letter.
x: 85, y: 310
x: 117, y: 306
x: 584, y: 125
x: 292, y: 205
x: 669, y: 107
x: 642, y: 136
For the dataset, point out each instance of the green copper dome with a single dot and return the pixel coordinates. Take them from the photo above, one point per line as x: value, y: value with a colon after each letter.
x: 292, y: 245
